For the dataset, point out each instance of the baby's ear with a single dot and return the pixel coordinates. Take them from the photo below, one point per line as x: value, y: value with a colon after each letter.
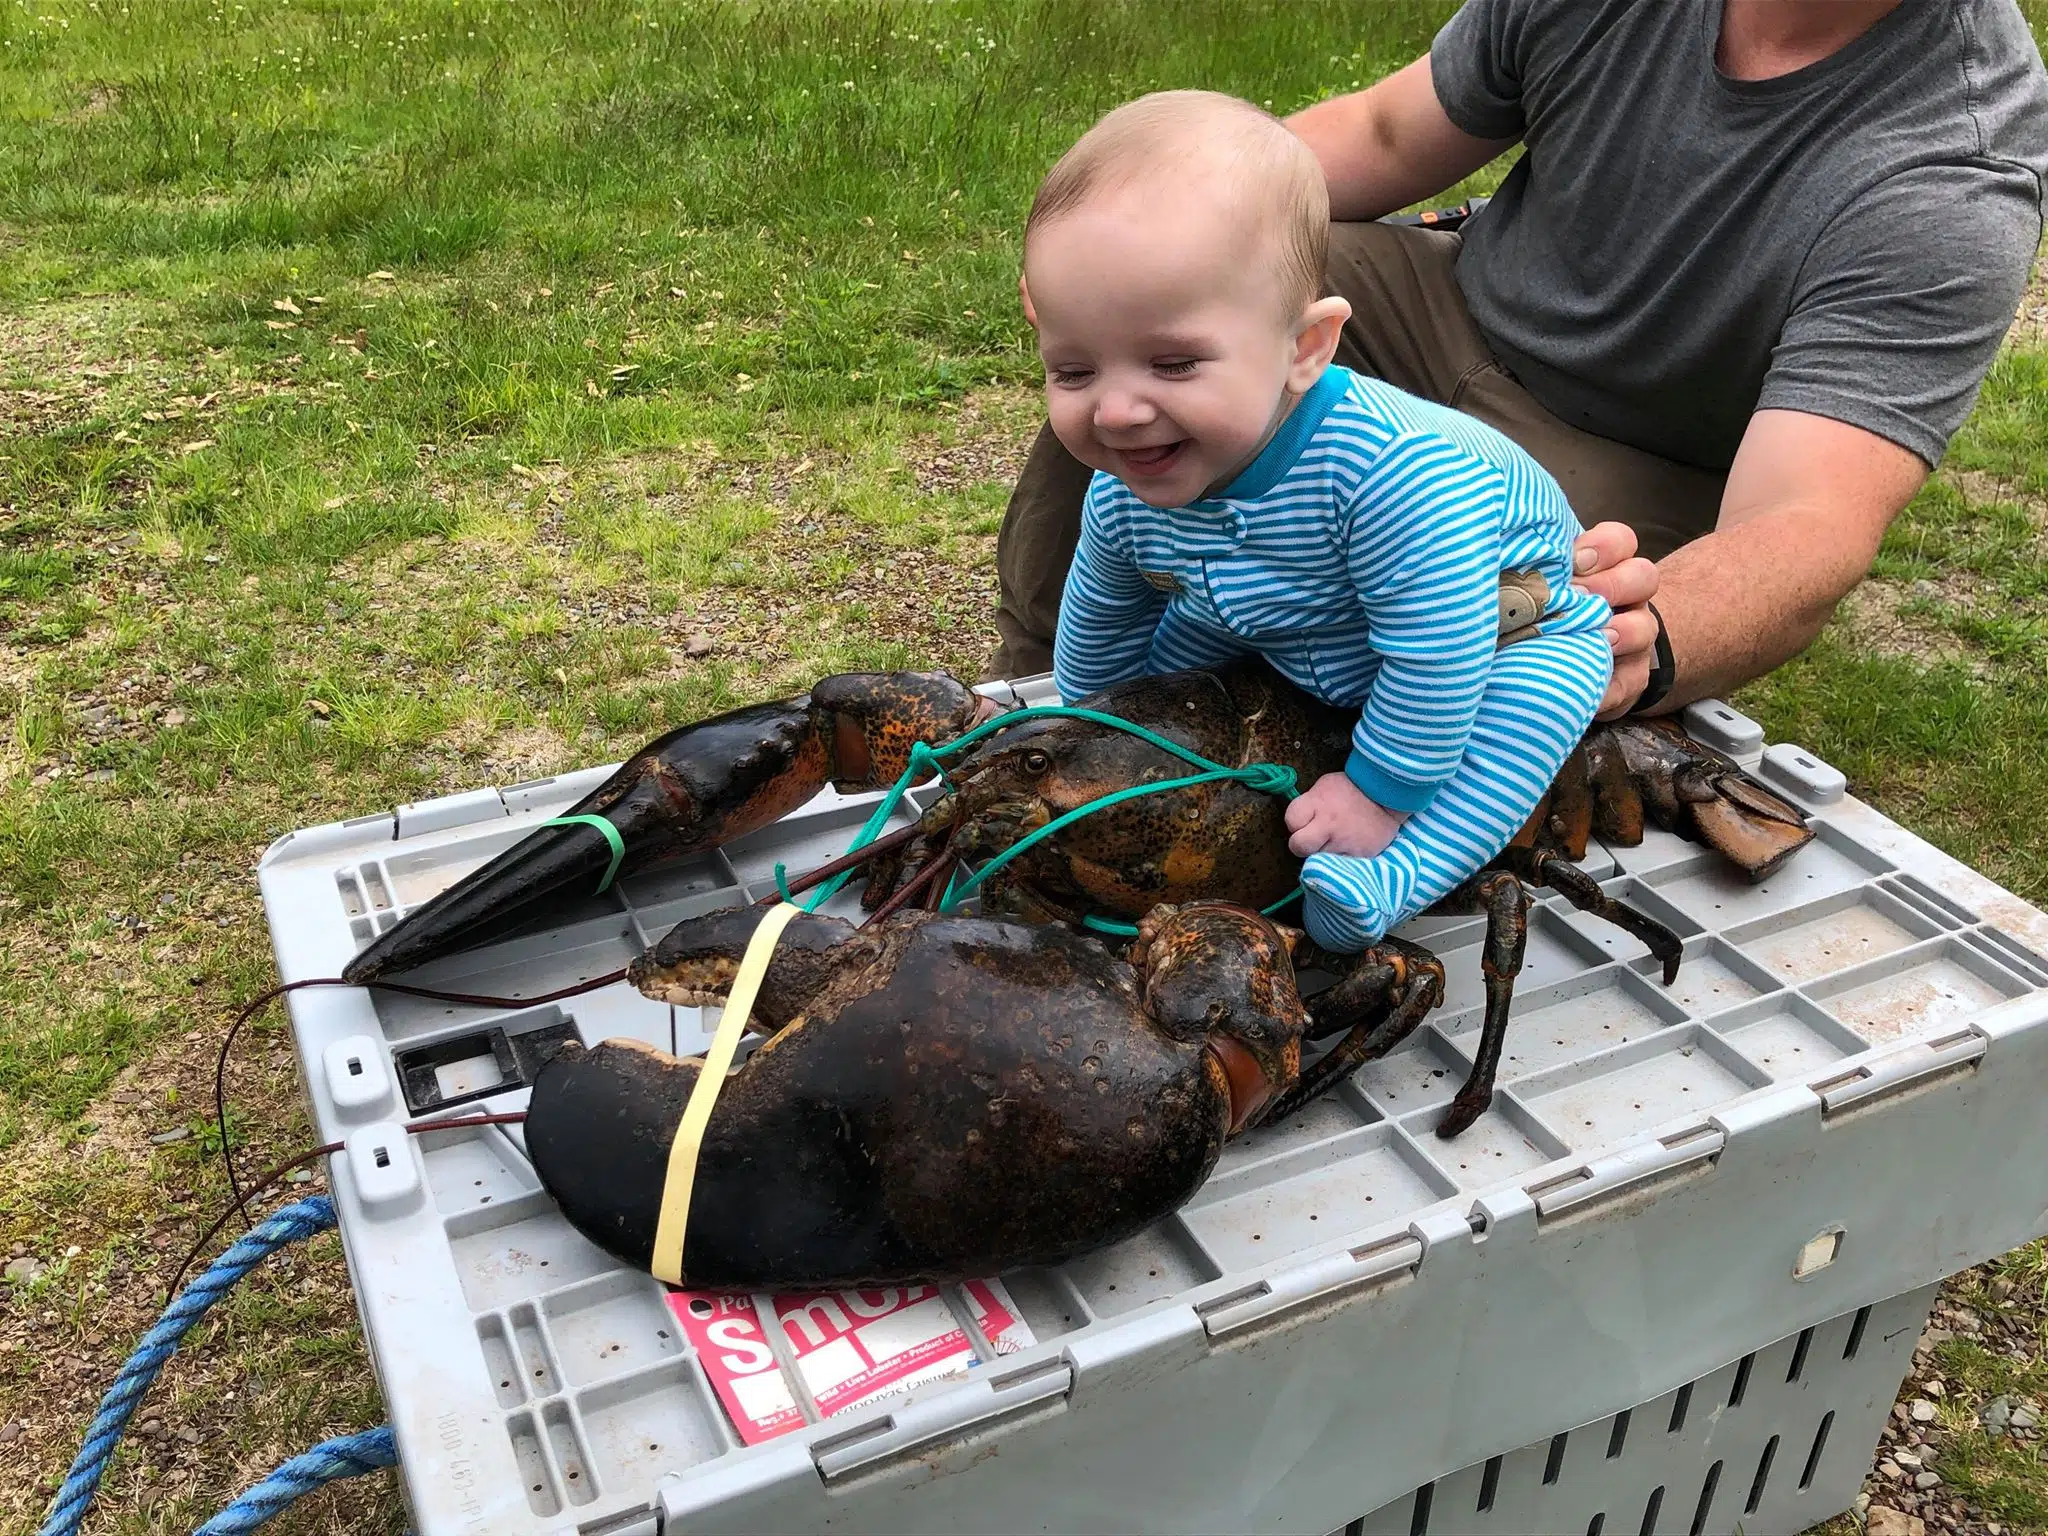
x: 1030, y: 314
x: 1316, y: 336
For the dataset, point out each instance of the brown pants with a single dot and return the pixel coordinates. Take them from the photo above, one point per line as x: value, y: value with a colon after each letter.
x: 1408, y: 326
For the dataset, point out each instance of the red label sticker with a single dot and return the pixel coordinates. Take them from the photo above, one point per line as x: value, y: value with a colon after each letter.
x: 848, y: 1347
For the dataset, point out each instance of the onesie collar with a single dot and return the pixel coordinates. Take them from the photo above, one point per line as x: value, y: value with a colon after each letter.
x: 1287, y: 443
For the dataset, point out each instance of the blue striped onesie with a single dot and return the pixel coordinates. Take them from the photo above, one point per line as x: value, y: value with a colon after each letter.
x: 1361, y: 554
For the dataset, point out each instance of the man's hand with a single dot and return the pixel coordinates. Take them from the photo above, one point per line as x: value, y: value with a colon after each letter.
x: 1336, y: 816
x: 1605, y: 562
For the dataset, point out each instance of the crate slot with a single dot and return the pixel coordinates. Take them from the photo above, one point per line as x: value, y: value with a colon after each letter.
x: 460, y: 1069
x: 1762, y: 1479
x: 1501, y: 1144
x: 1820, y: 1445
x: 609, y: 1326
x: 1427, y: 1070
x: 1659, y: 850
x: 507, y: 1379
x: 566, y: 1447
x: 1320, y: 1123
x: 420, y: 874
x: 1716, y: 894
x: 2012, y: 954
x: 813, y: 836
x: 1786, y: 1036
x: 1438, y: 933
x: 1556, y: 952
x: 351, y: 889
x: 1615, y: 942
x: 1049, y: 1302
x: 1313, y: 1197
x: 1652, y: 1506
x: 468, y: 1170
x: 652, y: 924
x: 649, y: 1425
x: 1916, y: 892
x: 661, y: 898
x: 1561, y: 1023
x: 1832, y: 934
x: 535, y: 1475
x: 521, y: 1249
x: 1712, y: 975
x: 1917, y: 992
x: 538, y: 1371
x: 1161, y: 1261
x: 1685, y: 1071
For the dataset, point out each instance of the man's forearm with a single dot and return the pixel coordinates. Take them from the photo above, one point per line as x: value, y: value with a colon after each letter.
x: 1744, y: 600
x: 1807, y: 504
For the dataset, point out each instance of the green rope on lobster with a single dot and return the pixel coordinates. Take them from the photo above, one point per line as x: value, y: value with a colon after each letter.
x: 925, y: 762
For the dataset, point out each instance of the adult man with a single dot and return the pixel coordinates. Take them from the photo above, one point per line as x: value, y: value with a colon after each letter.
x: 1743, y: 284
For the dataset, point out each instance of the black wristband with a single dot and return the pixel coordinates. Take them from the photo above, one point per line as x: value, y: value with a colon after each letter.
x: 1662, y: 675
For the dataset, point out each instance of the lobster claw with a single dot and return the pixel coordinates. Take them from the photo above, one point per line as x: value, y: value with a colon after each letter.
x: 1751, y: 826
x: 693, y: 789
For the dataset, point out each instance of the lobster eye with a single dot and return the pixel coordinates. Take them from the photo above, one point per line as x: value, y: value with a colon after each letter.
x: 1036, y: 762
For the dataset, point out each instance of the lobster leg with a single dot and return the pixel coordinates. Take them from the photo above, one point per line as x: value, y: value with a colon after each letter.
x: 1383, y: 999
x: 1501, y: 896
x: 1583, y: 892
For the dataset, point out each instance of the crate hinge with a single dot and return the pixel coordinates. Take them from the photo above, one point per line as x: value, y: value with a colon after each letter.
x: 1608, y: 1178
x: 959, y: 1409
x: 1914, y: 1066
x: 1310, y: 1286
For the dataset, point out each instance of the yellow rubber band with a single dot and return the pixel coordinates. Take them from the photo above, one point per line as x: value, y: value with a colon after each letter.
x: 682, y: 1152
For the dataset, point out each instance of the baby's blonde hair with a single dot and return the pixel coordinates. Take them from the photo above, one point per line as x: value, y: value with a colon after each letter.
x: 1170, y: 133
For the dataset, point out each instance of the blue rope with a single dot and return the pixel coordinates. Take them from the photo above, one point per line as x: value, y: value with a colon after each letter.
x: 284, y: 1226
x: 343, y: 1456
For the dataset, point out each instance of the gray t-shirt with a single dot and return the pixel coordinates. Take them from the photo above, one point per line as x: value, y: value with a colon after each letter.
x: 1677, y: 249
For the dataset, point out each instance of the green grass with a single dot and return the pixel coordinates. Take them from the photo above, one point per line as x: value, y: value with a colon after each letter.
x: 397, y: 396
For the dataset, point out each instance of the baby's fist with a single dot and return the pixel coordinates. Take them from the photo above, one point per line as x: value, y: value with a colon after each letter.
x: 1336, y: 816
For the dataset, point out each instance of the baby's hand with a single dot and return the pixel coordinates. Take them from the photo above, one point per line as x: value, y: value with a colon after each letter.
x: 1336, y: 816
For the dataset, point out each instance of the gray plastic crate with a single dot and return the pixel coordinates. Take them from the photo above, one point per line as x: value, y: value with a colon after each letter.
x: 1836, y: 1104
x: 1777, y: 1441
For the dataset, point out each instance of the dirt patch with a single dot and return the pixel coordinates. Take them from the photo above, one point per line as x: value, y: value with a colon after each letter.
x: 1875, y: 618
x: 986, y: 441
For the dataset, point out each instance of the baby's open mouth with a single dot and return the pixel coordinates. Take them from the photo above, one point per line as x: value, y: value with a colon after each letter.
x: 1155, y: 460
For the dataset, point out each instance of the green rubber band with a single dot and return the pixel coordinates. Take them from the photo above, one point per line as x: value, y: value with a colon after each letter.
x: 1271, y: 778
x: 611, y: 835
x: 1261, y: 771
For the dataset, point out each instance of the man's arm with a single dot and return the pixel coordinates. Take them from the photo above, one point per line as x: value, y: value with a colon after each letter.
x: 1807, y: 503
x: 1390, y: 145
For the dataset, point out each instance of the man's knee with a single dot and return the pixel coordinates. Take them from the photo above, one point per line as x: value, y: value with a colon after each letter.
x: 1041, y: 527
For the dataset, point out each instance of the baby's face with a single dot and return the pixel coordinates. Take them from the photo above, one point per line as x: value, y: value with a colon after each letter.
x: 1166, y: 344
